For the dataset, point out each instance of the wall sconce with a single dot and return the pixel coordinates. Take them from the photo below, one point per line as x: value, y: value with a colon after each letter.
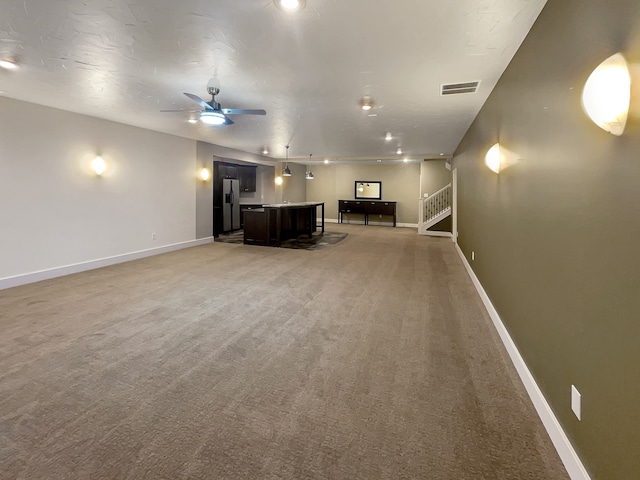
x: 607, y: 94
x: 278, y: 180
x: 498, y: 158
x: 98, y: 165
x: 204, y: 174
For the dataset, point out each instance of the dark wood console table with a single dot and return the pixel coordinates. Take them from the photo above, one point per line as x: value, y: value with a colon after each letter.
x: 366, y: 208
x: 272, y: 224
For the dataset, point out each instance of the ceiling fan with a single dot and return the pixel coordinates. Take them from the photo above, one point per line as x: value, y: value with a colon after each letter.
x: 213, y: 113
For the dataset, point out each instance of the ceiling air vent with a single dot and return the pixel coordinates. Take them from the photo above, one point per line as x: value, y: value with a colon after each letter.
x: 456, y: 88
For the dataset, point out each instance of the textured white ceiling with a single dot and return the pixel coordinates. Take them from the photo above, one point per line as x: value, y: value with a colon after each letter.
x: 125, y: 60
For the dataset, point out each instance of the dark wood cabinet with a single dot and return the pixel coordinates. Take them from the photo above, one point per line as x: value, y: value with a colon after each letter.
x: 256, y: 227
x: 247, y: 177
x: 225, y: 170
x: 366, y: 208
x: 247, y: 207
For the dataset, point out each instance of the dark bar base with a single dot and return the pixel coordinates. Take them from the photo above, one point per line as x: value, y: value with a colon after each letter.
x: 273, y: 224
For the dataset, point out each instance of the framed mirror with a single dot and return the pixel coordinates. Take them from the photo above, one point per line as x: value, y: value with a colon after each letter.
x: 368, y: 189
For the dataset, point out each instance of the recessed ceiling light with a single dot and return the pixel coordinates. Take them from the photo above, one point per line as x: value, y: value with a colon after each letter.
x: 379, y: 161
x: 326, y: 160
x: 265, y: 151
x: 8, y: 64
x: 405, y: 160
x: 193, y: 120
x: 366, y: 103
x: 388, y: 137
x: 290, y: 5
x: 399, y: 151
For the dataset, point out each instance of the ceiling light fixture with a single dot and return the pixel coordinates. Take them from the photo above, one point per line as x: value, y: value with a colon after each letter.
x: 399, y: 151
x: 193, y: 120
x: 607, y: 94
x: 366, y: 103
x: 265, y: 151
x: 286, y: 172
x: 212, y: 118
x: 388, y: 137
x: 405, y: 160
x: 326, y: 160
x: 8, y: 64
x: 290, y: 5
x: 309, y: 175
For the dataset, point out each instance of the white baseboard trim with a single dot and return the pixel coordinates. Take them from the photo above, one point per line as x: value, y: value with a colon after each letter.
x: 407, y: 225
x: 330, y: 220
x: 435, y: 233
x: 568, y: 455
x: 33, y: 277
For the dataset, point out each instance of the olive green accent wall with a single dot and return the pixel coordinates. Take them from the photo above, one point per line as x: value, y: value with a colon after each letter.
x: 555, y: 235
x: 400, y: 183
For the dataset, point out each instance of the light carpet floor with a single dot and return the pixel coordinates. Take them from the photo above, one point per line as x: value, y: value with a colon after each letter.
x: 370, y: 359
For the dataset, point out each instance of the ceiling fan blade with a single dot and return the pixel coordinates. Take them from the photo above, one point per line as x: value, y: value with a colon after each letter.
x: 228, y: 121
x: 237, y: 111
x: 199, y: 101
x: 186, y: 111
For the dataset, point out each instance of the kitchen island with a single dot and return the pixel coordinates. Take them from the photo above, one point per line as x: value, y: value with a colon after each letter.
x: 274, y: 223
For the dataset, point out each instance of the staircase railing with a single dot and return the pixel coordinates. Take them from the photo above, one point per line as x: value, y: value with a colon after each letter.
x: 436, y: 204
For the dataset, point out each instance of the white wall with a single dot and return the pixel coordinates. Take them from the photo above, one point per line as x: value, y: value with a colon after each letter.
x: 54, y: 212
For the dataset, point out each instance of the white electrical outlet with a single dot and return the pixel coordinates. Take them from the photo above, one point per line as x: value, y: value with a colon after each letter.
x: 153, y: 236
x: 473, y: 256
x: 576, y: 402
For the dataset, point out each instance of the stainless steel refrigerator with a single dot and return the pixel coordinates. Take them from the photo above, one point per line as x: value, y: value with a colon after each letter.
x: 230, y: 204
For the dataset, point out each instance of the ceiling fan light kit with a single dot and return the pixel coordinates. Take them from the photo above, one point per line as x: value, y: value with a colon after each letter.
x: 213, y: 113
x: 212, y: 118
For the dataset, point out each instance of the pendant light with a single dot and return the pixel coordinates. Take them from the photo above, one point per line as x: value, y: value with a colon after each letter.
x: 309, y: 175
x: 286, y: 172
